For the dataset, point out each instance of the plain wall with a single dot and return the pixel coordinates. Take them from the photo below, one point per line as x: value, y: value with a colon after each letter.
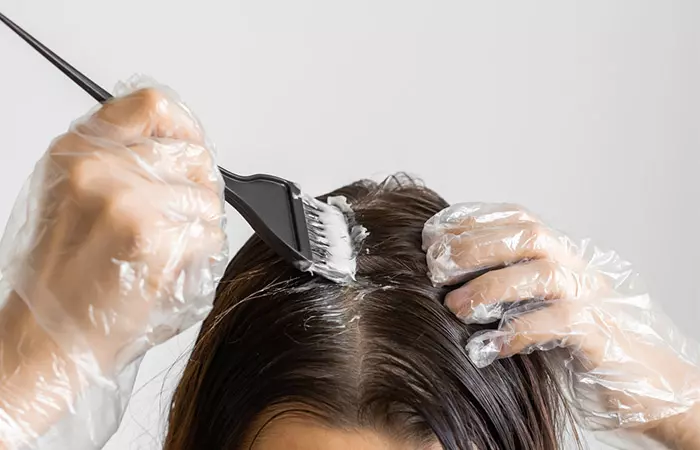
x: 585, y: 111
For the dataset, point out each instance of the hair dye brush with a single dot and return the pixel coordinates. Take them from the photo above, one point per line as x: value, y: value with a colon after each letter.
x: 312, y: 235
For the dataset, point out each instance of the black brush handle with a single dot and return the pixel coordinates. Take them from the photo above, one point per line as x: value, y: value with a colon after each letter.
x: 71, y: 72
x: 89, y: 86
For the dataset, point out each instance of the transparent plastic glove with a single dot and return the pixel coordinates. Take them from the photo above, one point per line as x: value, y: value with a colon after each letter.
x: 628, y: 367
x: 115, y: 245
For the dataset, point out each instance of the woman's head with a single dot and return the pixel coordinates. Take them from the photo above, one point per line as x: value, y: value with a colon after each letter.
x: 287, y: 359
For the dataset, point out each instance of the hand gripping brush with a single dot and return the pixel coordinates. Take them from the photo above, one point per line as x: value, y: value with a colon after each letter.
x: 311, y: 235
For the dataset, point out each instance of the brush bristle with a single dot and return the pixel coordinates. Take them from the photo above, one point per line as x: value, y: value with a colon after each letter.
x: 330, y: 237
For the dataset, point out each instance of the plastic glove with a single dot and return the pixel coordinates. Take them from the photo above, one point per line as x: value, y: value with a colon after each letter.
x: 116, y: 244
x: 628, y: 368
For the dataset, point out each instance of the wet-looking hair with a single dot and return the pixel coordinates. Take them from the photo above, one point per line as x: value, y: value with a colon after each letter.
x: 382, y: 353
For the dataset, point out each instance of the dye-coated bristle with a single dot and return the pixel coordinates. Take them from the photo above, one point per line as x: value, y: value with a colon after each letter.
x: 330, y: 239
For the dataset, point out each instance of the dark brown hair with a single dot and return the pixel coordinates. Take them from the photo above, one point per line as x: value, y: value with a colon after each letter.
x: 382, y: 353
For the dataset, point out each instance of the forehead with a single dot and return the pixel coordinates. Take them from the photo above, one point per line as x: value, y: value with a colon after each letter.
x: 296, y: 432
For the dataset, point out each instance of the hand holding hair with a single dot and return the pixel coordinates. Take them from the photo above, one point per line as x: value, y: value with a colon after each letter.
x: 115, y: 245
x: 626, y: 366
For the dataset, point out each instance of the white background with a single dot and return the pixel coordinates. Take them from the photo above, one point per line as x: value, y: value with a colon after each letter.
x: 585, y: 111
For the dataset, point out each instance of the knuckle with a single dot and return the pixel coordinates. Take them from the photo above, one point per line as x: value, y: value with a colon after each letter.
x: 218, y: 234
x: 514, y: 207
x: 550, y: 270
x: 214, y: 205
x: 432, y: 257
x: 563, y: 313
x: 214, y: 198
x: 218, y: 237
x: 515, y: 324
x: 520, y: 212
x: 463, y: 244
x: 441, y: 267
x: 148, y: 99
x: 147, y: 150
x: 456, y: 214
x: 559, y: 281
x: 60, y: 144
x: 200, y: 156
x: 537, y: 237
x: 122, y: 208
x: 91, y: 174
x: 535, y: 230
x: 440, y: 248
x: 429, y: 235
x: 65, y: 144
x: 118, y: 203
x: 80, y: 174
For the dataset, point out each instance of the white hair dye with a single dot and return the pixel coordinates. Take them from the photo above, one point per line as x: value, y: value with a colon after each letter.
x: 344, y: 240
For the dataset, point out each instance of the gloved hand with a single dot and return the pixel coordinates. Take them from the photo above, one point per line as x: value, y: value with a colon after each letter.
x: 629, y: 367
x: 116, y: 244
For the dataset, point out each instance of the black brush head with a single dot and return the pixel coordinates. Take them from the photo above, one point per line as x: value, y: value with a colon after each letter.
x: 274, y: 209
x: 313, y: 235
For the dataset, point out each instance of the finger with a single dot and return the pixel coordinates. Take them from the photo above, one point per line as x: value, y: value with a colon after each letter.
x: 172, y: 281
x: 144, y: 211
x: 168, y: 157
x: 99, y: 176
x: 189, y: 202
x: 70, y: 149
x: 559, y: 324
x: 144, y: 113
x: 164, y: 227
x: 464, y: 217
x: 453, y: 258
x: 159, y: 260
x: 486, y: 298
x: 129, y: 189
x: 183, y: 258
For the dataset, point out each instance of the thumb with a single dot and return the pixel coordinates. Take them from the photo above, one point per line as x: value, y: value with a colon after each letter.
x: 144, y: 113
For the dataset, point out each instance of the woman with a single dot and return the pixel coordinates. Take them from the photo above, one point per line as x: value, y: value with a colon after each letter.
x: 126, y: 246
x: 284, y: 359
